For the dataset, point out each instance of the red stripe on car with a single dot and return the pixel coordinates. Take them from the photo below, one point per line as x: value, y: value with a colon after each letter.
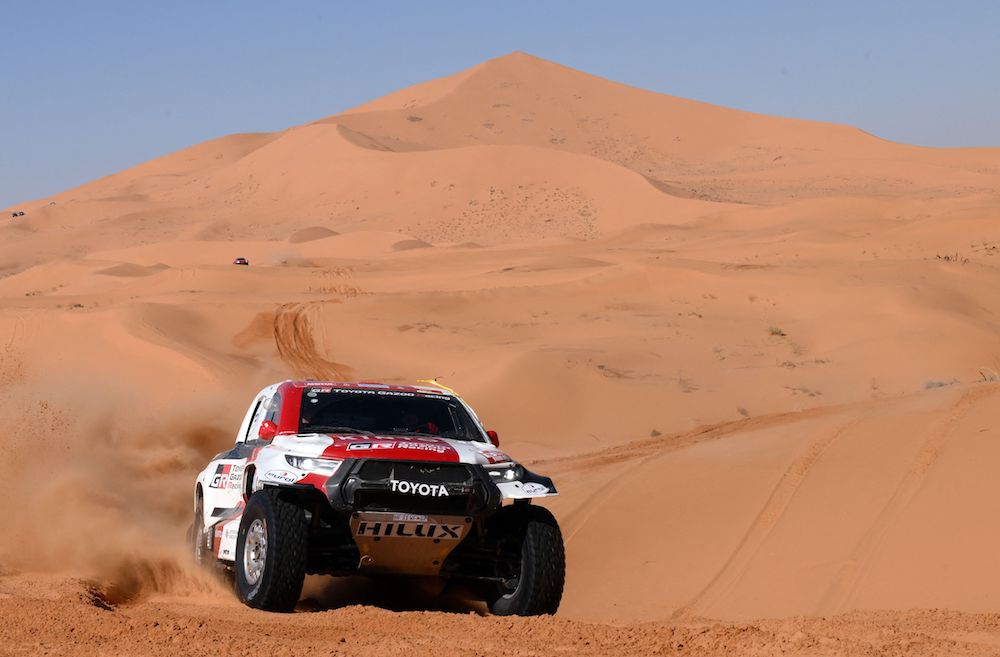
x: 401, y: 449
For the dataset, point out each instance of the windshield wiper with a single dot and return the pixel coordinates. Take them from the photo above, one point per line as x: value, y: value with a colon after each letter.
x: 321, y: 428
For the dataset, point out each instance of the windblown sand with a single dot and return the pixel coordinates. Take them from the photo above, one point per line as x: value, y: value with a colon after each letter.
x: 758, y: 355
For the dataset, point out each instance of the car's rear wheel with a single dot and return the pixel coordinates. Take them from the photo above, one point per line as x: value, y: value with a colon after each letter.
x: 271, y: 552
x: 202, y: 553
x: 533, y: 583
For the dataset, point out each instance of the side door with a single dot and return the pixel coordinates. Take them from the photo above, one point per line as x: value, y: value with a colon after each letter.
x: 269, y: 408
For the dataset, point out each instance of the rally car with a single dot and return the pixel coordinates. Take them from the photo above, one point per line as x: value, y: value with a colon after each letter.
x: 369, y: 478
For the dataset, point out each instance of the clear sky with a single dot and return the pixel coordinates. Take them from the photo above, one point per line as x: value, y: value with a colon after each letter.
x: 90, y: 88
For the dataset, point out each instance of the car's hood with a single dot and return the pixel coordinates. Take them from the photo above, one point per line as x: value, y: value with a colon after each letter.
x: 398, y: 448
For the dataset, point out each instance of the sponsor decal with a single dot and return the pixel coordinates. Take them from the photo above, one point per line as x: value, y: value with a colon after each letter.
x: 423, y: 447
x: 231, y: 533
x: 227, y: 476
x: 283, y: 476
x: 409, y: 517
x: 353, y: 446
x: 414, y: 488
x: 363, y: 391
x: 409, y: 530
x: 531, y: 488
x: 386, y: 393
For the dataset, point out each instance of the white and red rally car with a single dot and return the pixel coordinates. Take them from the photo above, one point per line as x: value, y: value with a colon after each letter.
x: 369, y: 478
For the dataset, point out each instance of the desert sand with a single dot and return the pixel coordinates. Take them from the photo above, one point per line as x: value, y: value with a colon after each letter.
x: 760, y: 357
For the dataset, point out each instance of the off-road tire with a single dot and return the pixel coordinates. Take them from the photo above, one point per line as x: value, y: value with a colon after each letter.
x: 543, y: 563
x: 279, y: 585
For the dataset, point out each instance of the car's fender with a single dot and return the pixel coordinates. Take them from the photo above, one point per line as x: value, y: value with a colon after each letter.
x: 528, y: 485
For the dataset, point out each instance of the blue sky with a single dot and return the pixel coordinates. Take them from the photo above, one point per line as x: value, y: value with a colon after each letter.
x: 95, y: 87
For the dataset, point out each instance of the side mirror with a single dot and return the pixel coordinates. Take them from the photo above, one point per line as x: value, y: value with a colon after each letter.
x: 494, y: 436
x: 267, y: 430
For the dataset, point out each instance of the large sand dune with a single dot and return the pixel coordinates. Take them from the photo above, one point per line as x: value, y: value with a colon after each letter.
x: 759, y: 356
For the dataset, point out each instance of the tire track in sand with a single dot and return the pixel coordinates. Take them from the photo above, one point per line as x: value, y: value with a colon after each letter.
x: 736, y: 566
x: 857, y: 566
x: 631, y: 456
x: 293, y: 336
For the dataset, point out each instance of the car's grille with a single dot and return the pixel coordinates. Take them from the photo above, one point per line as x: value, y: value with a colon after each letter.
x: 422, y: 473
x: 381, y: 500
x: 370, y: 487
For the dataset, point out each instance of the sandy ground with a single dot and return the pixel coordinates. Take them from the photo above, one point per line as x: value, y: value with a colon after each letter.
x: 758, y: 355
x: 67, y: 619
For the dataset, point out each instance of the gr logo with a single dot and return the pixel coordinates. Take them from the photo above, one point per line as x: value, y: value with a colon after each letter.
x: 223, y: 474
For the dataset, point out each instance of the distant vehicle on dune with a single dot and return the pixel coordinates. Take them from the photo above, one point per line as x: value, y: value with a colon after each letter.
x: 241, y: 261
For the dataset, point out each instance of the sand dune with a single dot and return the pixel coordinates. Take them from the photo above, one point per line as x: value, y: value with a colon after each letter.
x: 687, y: 147
x: 310, y: 234
x: 758, y: 355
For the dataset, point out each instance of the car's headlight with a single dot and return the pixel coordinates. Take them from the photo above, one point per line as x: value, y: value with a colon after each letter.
x: 313, y: 464
x: 505, y: 472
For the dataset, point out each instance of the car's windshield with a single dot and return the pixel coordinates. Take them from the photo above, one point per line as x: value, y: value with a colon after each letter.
x: 341, y: 410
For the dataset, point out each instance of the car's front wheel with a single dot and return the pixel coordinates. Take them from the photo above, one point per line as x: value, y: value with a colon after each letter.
x: 533, y: 580
x: 271, y: 552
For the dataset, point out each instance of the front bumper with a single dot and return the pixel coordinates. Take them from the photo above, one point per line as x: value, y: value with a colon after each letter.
x: 406, y: 517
